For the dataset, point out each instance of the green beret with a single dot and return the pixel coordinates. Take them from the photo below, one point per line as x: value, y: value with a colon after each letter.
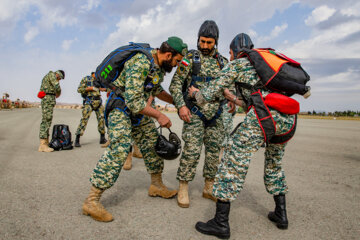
x: 178, y: 45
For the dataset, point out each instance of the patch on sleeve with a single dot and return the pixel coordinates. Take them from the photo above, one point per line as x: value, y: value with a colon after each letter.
x: 185, y: 62
x: 155, y: 79
x: 145, y: 73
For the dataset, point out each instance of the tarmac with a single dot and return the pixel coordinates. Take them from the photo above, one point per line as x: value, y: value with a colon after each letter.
x: 41, y: 193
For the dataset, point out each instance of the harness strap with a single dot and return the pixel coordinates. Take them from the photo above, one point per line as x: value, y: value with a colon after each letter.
x: 117, y: 102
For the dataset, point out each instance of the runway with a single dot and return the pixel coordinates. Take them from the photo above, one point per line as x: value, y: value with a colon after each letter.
x: 41, y: 193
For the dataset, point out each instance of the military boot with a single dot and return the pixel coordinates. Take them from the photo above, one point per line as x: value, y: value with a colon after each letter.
x: 105, y: 145
x: 158, y: 189
x: 219, y: 225
x: 102, y: 139
x: 183, y: 194
x: 279, y: 215
x: 137, y: 152
x: 44, y: 146
x: 207, y: 192
x: 77, y: 141
x: 92, y: 207
x: 128, y: 162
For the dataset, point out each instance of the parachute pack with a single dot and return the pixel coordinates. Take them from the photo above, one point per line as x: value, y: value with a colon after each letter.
x: 61, y: 138
x: 278, y: 72
x: 111, y: 67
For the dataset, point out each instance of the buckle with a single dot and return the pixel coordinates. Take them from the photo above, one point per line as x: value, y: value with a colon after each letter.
x: 194, y: 109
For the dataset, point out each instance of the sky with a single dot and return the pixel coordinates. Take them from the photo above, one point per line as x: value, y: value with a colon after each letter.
x: 76, y: 35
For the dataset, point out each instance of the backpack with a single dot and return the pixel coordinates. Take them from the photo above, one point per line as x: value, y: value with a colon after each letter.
x: 111, y: 67
x: 277, y: 72
x: 61, y: 138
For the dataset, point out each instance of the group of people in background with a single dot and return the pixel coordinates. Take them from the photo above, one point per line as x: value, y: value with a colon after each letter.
x: 203, y: 89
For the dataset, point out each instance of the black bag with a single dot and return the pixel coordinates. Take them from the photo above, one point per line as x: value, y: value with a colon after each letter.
x: 61, y: 138
x: 113, y: 64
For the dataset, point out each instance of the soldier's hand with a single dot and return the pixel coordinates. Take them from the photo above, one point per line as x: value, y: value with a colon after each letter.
x: 185, y: 114
x: 164, y: 121
x: 232, y: 107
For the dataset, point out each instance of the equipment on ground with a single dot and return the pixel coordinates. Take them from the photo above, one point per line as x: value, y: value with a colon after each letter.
x: 61, y: 138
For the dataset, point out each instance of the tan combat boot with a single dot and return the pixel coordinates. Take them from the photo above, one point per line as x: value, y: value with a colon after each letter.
x: 94, y: 208
x: 183, y: 194
x: 136, y: 152
x: 105, y: 145
x: 207, y: 192
x: 128, y: 162
x: 44, y: 146
x: 158, y: 189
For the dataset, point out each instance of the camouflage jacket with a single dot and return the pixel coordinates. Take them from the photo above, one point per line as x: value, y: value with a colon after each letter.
x: 85, y: 82
x: 132, y: 77
x: 242, y: 71
x: 209, y: 68
x: 239, y: 70
x: 49, y: 84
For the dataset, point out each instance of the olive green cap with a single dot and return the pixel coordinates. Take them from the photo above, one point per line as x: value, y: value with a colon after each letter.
x: 178, y: 45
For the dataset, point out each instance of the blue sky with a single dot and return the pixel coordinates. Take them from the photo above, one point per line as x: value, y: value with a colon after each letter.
x: 75, y: 35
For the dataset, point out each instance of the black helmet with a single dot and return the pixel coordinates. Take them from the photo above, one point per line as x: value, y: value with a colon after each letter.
x: 242, y: 40
x: 55, y: 144
x: 209, y: 29
x: 168, y: 150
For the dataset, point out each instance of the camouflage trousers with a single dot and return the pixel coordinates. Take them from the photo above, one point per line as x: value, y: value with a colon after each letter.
x: 86, y: 113
x: 47, y: 109
x: 227, y: 119
x: 121, y: 131
x: 195, y: 135
x: 246, y: 140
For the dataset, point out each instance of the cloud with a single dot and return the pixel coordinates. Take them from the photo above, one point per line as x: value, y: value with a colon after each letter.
x: 319, y: 14
x: 31, y: 34
x: 66, y: 44
x: 274, y: 33
x: 91, y: 4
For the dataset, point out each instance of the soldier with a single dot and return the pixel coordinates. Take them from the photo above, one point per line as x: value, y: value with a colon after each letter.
x: 247, y: 139
x: 92, y: 102
x: 202, y: 125
x: 51, y: 90
x: 122, y: 126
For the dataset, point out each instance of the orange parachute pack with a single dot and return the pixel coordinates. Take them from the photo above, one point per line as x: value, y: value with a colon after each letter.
x: 277, y: 72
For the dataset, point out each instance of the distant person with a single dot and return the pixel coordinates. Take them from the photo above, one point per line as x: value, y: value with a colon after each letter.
x: 91, y: 102
x: 49, y: 91
x: 130, y: 117
x: 202, y: 124
x: 247, y: 139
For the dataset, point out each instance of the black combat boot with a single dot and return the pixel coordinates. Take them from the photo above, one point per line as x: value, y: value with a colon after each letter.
x: 279, y: 215
x: 219, y: 225
x: 102, y: 139
x: 77, y: 141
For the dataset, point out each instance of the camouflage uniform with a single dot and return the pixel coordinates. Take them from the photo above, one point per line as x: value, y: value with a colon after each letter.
x: 52, y: 88
x: 247, y: 139
x: 92, y: 102
x: 120, y: 129
x: 194, y: 133
x: 227, y: 120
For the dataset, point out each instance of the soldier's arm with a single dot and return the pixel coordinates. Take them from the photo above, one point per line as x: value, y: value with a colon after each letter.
x: 224, y: 79
x: 82, y: 86
x: 136, y: 71
x: 55, y: 83
x: 176, y: 85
